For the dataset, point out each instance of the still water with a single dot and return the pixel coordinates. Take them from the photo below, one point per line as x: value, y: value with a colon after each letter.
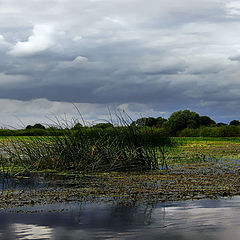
x: 198, y: 219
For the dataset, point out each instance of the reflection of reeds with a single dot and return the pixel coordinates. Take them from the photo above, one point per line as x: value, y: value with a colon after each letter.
x: 122, y: 148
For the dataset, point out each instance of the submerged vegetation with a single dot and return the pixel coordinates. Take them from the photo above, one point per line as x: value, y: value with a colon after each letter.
x: 181, y: 182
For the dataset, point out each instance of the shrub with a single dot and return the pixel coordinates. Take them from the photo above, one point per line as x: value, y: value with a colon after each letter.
x: 234, y: 123
x: 189, y: 132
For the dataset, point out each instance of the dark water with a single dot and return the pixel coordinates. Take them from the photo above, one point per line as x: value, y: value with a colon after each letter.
x: 198, y: 219
x: 42, y: 180
x: 27, y: 181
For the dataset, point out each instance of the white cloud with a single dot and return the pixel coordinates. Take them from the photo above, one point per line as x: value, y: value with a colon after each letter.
x: 137, y: 110
x: 77, y: 38
x: 3, y: 43
x: 45, y: 111
x: 76, y: 63
x: 233, y: 8
x: 80, y: 59
x: 2, y: 39
x: 40, y: 40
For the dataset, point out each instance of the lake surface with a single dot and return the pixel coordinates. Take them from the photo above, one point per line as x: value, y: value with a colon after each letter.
x: 198, y: 219
x: 117, y: 219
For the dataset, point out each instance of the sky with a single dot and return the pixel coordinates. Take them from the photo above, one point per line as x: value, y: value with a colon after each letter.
x: 148, y: 58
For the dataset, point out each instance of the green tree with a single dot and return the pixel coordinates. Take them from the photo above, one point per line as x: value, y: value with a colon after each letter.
x: 160, y: 121
x: 221, y: 124
x: 150, y: 122
x: 206, y: 121
x: 38, y: 126
x: 192, y: 123
x: 77, y: 126
x: 103, y: 125
x: 234, y: 123
x: 182, y: 119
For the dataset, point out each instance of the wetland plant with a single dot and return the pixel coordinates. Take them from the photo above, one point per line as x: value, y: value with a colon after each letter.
x: 120, y: 148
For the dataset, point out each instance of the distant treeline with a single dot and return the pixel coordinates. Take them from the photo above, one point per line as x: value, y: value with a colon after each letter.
x: 190, y: 124
x: 184, y: 123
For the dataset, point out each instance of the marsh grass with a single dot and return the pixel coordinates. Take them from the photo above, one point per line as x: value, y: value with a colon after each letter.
x: 203, y: 150
x: 121, y: 148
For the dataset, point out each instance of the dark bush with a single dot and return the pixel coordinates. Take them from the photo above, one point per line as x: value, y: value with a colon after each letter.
x: 180, y: 120
x: 234, y: 123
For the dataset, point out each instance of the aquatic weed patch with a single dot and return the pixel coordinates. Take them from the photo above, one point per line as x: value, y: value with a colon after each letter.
x: 194, y: 181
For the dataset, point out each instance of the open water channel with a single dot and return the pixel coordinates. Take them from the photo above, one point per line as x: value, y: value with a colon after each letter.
x: 197, y: 219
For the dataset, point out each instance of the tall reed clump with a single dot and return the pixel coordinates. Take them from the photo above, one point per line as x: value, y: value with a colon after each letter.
x: 121, y: 148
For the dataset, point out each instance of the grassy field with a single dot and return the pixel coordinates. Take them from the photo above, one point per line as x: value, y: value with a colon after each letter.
x: 208, y: 139
x: 204, y: 149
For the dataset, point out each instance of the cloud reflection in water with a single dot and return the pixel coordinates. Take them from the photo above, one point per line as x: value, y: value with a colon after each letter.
x: 29, y: 231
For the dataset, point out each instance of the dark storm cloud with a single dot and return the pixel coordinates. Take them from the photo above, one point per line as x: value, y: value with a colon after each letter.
x: 162, y: 55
